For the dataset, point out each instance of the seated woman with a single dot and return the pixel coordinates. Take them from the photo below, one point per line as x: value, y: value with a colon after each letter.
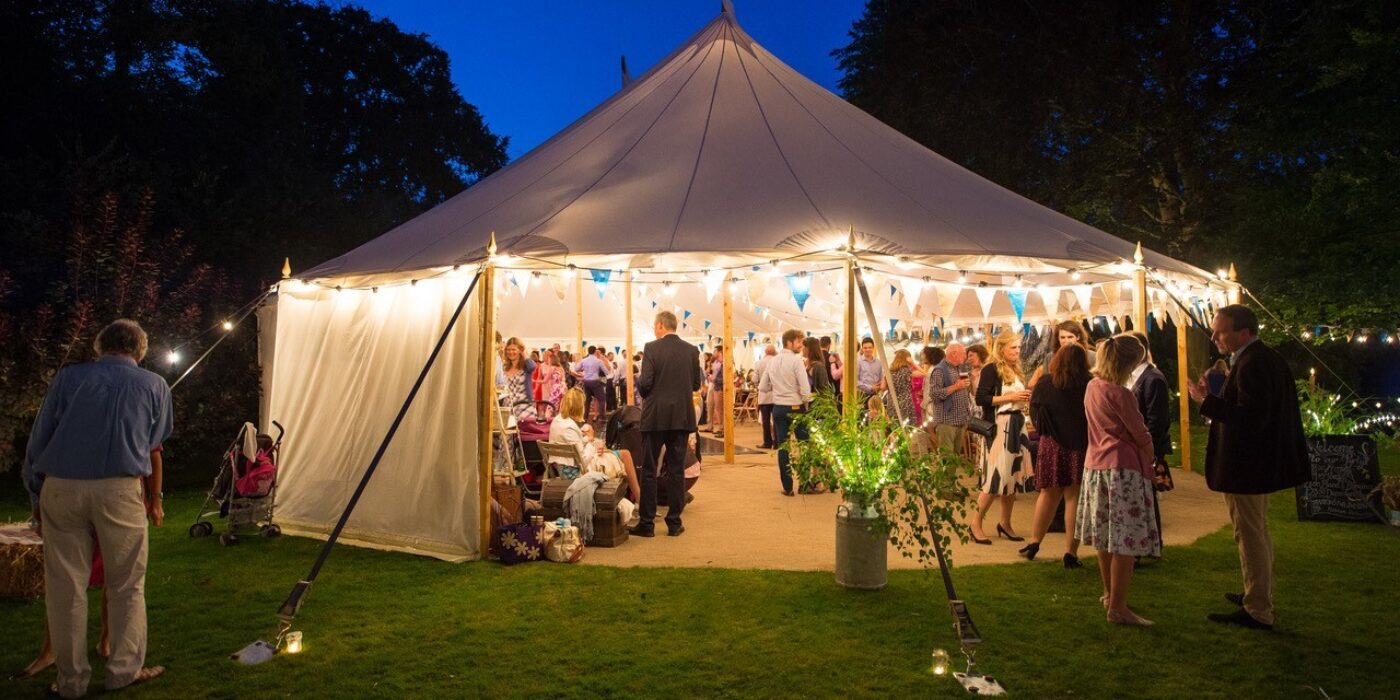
x: 595, y: 455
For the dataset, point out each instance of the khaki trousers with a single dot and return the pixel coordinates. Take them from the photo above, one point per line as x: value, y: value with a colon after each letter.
x: 950, y: 437
x: 1250, y: 516
x: 72, y: 510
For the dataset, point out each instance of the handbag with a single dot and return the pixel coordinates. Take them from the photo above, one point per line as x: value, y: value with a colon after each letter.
x: 981, y: 426
x: 519, y: 543
x: 562, y: 544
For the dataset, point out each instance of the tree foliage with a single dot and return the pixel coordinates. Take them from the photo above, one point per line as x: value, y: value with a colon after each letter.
x: 266, y: 128
x: 1227, y: 130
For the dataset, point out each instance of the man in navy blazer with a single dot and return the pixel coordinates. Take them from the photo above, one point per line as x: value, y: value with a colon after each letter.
x: 670, y: 377
x: 1256, y: 447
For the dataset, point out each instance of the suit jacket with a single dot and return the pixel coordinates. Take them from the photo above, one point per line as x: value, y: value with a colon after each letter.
x: 1155, y: 403
x: 1256, y: 432
x: 671, y: 374
x: 988, y: 387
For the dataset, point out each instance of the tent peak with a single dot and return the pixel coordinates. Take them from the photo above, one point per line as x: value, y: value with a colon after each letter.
x: 727, y: 8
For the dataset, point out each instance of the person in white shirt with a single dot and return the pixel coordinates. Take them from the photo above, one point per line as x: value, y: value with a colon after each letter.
x: 595, y: 456
x: 785, y: 379
x: 765, y: 399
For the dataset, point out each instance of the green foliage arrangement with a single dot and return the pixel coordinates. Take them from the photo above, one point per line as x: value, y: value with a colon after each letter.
x: 1323, y: 412
x: 1390, y: 491
x: 917, y: 494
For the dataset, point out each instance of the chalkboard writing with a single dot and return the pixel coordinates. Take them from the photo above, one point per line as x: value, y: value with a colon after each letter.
x: 1345, y: 472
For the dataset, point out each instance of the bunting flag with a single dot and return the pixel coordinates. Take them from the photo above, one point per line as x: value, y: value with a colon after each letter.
x: 600, y: 281
x: 1112, y: 293
x: 1017, y: 297
x: 1151, y: 323
x: 701, y: 346
x: 707, y: 325
x: 653, y: 304
x: 751, y: 334
x: 912, y: 289
x: 801, y: 288
x: 713, y: 280
x: 560, y: 285
x: 873, y: 279
x: 1084, y: 294
x: 935, y: 334
x: 757, y: 284
x: 745, y: 342
x: 521, y: 280
x: 893, y: 291
x: 1050, y: 299
x: 685, y: 316
x: 893, y: 322
x: 642, y: 290
x: 985, y: 297
x: 947, y: 298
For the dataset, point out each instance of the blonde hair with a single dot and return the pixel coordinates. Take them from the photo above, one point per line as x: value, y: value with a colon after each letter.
x: 1118, y: 357
x: 571, y: 406
x: 902, y: 359
x: 1008, y: 371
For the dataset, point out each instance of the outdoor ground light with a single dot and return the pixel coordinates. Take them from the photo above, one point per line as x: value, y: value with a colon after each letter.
x: 940, y: 663
x: 293, y: 642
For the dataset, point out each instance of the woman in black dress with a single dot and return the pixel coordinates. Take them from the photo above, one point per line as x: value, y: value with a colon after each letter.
x: 1057, y: 409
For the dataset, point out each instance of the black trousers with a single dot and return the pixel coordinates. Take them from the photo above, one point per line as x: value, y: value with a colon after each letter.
x: 594, y: 390
x: 675, y: 442
x: 612, y: 395
x: 765, y: 419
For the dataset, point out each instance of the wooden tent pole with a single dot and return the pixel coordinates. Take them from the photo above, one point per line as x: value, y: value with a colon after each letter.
x: 627, y: 382
x: 578, y: 312
x: 1139, y: 291
x: 1183, y: 378
x: 486, y: 398
x: 727, y: 398
x: 849, y: 342
x: 1232, y: 293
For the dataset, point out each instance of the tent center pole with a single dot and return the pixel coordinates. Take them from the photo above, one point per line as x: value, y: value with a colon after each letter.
x: 626, y: 386
x: 727, y: 397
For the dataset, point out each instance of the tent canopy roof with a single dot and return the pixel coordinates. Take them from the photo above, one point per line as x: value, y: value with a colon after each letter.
x: 723, y: 149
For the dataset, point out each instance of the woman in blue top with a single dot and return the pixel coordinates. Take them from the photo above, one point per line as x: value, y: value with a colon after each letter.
x: 518, y: 394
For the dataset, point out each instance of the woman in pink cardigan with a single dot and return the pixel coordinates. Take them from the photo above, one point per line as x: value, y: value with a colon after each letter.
x: 1116, y: 497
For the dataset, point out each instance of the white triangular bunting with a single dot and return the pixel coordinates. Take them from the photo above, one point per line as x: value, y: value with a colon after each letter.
x: 947, y: 299
x: 1084, y: 294
x: 912, y: 288
x: 985, y: 297
x: 1050, y: 299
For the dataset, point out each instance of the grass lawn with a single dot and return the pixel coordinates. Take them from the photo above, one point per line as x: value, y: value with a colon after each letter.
x: 380, y: 624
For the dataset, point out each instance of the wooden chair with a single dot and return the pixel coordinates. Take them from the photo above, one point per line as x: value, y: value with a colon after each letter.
x: 748, y: 408
x: 562, y: 450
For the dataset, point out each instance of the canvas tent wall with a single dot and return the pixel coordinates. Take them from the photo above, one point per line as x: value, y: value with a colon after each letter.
x: 720, y: 166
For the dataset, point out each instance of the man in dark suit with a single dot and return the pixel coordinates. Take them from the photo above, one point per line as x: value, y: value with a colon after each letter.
x: 1256, y: 447
x: 670, y: 376
x: 1153, y: 396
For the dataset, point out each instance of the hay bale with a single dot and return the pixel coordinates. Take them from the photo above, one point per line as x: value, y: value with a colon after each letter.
x: 21, y: 562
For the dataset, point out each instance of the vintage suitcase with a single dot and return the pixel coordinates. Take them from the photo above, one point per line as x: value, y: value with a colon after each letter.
x: 608, y: 528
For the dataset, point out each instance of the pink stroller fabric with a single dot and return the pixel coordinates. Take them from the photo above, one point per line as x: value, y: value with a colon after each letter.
x: 258, y: 477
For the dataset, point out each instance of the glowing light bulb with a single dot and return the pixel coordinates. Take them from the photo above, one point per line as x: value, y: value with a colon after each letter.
x: 1017, y: 284
x: 173, y: 357
x: 1075, y: 275
x: 962, y: 277
x: 940, y: 664
x: 228, y: 325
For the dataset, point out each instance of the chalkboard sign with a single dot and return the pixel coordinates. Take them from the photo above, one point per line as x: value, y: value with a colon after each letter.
x: 1345, y: 472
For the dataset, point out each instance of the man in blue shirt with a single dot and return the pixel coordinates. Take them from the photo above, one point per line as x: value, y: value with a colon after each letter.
x: 870, y: 375
x: 89, y: 448
x: 593, y: 370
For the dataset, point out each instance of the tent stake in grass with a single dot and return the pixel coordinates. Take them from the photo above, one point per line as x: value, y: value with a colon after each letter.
x: 288, y: 612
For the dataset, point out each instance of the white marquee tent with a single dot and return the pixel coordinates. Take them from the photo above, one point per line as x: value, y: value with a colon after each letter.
x: 721, y: 175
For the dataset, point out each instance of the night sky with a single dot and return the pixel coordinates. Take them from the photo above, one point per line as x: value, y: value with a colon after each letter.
x: 532, y: 67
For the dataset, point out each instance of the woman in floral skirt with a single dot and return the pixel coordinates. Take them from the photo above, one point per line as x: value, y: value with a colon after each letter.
x: 1116, y: 497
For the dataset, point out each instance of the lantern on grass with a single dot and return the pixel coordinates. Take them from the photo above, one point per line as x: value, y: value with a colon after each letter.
x: 940, y: 664
x: 292, y: 643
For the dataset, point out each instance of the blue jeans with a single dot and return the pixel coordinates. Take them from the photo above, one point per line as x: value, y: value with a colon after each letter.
x: 782, y: 426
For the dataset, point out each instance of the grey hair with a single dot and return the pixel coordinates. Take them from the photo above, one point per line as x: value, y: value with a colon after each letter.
x: 122, y: 337
x: 667, y: 320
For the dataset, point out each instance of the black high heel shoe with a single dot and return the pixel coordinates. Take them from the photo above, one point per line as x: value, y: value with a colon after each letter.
x: 1003, y: 533
x: 1072, y: 562
x: 1029, y: 551
x: 978, y: 541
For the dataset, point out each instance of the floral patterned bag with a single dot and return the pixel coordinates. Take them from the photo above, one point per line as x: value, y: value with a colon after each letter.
x: 519, y: 543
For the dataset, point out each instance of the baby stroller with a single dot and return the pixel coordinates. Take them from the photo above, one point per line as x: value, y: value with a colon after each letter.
x: 245, y: 488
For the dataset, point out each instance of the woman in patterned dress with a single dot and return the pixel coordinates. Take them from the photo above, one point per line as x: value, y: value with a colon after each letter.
x: 1116, y: 496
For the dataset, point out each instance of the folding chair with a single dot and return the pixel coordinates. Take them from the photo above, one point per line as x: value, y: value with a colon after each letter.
x: 748, y: 409
x: 562, y: 450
